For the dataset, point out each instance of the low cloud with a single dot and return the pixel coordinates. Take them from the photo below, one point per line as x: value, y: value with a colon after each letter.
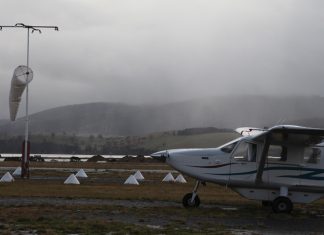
x: 162, y: 51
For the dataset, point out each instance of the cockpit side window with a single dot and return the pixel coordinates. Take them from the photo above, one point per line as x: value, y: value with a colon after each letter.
x: 241, y: 152
x: 312, y: 155
x: 245, y: 152
x: 277, y: 153
x: 229, y: 148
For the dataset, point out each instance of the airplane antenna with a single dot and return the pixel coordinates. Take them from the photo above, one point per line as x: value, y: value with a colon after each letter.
x: 32, y: 29
x: 281, y: 121
x: 278, y: 122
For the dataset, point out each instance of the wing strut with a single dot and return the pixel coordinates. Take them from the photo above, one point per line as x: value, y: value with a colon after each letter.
x: 258, y: 179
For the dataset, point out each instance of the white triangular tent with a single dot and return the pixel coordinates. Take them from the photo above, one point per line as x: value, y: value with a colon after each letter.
x: 17, y: 172
x: 71, y: 180
x: 21, y: 77
x: 81, y: 174
x: 7, y: 178
x: 168, y: 178
x: 131, y: 180
x: 138, y: 175
x: 180, y: 179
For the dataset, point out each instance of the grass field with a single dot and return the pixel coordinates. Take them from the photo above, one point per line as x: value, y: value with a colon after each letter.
x: 105, y: 183
x: 101, y: 204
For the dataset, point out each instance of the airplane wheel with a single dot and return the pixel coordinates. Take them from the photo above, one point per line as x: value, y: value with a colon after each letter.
x: 187, y: 203
x: 282, y: 205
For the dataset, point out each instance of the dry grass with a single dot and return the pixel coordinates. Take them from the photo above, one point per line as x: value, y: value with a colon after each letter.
x: 108, y: 184
x: 152, y: 190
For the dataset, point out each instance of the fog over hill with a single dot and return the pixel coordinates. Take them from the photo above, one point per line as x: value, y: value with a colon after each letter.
x: 116, y: 119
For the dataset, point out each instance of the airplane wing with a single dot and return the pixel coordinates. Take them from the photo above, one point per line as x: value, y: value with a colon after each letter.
x: 249, y: 131
x: 297, y: 130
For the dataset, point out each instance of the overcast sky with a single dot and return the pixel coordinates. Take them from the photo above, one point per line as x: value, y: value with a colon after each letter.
x: 144, y: 51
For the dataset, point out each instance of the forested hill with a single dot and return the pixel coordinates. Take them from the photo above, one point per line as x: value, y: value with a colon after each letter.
x: 116, y: 119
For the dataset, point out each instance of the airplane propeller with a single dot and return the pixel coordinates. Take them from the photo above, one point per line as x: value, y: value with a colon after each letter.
x: 161, y: 155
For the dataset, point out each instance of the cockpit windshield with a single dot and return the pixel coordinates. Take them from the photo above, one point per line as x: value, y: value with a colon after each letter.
x: 228, y: 148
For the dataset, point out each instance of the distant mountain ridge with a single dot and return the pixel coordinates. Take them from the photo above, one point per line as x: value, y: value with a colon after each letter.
x: 117, y: 119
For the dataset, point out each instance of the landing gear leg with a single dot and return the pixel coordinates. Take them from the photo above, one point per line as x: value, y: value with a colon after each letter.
x: 192, y: 199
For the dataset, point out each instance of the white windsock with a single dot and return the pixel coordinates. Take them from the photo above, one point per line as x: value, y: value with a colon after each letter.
x: 138, y: 175
x: 168, y: 178
x: 17, y: 172
x: 71, y: 180
x: 131, y: 180
x: 7, y: 178
x: 21, y: 77
x: 81, y: 174
x: 180, y: 179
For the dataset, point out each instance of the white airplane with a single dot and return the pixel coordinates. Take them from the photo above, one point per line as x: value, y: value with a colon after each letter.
x: 279, y: 166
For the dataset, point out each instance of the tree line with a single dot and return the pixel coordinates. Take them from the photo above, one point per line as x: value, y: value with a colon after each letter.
x: 75, y: 145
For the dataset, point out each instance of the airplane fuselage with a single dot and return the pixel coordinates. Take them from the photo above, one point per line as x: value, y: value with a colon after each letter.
x: 288, y: 165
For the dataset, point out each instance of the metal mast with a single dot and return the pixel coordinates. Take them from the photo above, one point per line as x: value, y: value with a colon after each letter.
x: 32, y: 28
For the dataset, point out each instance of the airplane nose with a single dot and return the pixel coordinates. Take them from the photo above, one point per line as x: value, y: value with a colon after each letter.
x: 161, y: 155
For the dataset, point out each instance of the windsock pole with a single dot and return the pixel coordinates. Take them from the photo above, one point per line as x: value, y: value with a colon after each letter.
x: 25, y: 158
x: 26, y: 144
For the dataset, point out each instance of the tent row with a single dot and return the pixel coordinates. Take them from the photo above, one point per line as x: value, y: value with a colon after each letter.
x: 81, y: 173
x: 179, y: 179
x: 72, y: 179
x: 134, y: 179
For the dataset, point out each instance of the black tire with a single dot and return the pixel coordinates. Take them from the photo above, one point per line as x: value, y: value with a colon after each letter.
x: 187, y: 203
x: 282, y: 205
x: 266, y: 203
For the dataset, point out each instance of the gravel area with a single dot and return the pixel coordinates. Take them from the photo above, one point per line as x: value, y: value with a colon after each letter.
x: 15, y: 201
x: 308, y: 223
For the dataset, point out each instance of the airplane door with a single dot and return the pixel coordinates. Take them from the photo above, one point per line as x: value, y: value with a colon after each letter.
x: 312, y: 168
x: 243, y: 163
x: 284, y: 165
